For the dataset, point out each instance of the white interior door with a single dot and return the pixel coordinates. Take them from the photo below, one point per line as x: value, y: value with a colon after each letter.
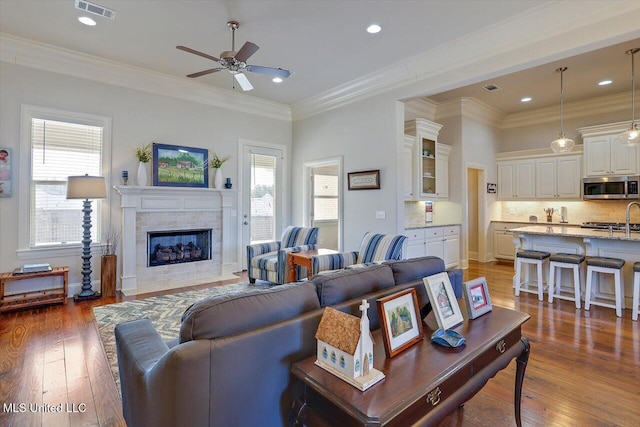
x: 323, y: 208
x: 262, y: 195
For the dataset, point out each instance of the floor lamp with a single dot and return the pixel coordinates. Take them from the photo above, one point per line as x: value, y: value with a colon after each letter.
x: 86, y: 187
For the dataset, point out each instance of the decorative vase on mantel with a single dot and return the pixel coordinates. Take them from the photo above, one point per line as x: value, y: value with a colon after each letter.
x: 142, y: 174
x: 217, y: 179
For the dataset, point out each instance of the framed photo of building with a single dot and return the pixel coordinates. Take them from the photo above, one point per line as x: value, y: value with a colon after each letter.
x: 476, y: 295
x: 443, y: 300
x: 5, y: 172
x: 176, y: 166
x: 399, y: 320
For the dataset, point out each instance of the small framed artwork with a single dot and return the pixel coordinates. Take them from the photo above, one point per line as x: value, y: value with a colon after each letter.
x: 5, y: 172
x: 399, y: 320
x: 365, y: 180
x: 476, y: 295
x: 492, y: 188
x: 176, y: 166
x: 443, y: 300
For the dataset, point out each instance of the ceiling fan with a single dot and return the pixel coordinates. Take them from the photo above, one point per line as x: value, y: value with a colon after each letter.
x: 236, y: 62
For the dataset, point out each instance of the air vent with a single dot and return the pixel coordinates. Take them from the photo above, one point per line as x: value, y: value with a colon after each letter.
x: 490, y: 88
x: 95, y: 9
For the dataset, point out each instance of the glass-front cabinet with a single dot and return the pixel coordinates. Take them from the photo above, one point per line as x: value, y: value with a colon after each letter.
x: 430, y: 161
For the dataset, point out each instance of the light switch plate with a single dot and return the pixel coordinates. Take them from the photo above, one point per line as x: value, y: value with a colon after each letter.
x: 381, y: 214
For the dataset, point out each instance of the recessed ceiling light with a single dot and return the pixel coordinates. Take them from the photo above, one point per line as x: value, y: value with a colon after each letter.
x: 87, y: 21
x: 276, y: 80
x: 605, y: 82
x: 374, y: 28
x: 526, y: 99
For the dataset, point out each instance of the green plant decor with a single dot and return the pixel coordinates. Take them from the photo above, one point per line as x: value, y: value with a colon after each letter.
x: 216, y: 161
x: 144, y: 153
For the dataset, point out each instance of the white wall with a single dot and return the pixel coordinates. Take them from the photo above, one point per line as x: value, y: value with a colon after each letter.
x: 138, y: 118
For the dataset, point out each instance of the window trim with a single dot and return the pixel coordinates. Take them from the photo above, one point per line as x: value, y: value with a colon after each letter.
x: 27, y: 112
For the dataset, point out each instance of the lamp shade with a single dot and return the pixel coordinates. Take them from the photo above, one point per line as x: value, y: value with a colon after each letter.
x: 86, y: 187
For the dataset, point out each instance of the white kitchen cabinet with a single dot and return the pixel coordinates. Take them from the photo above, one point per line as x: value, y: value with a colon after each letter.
x: 442, y: 242
x: 558, y: 177
x: 604, y: 154
x: 430, y: 163
x: 516, y: 179
x: 503, y: 246
x: 407, y: 167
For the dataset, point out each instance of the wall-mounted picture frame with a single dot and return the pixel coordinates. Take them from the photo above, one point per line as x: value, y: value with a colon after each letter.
x: 5, y: 172
x: 399, y: 321
x: 443, y: 300
x: 365, y: 180
x: 492, y: 188
x: 476, y: 295
x: 178, y: 166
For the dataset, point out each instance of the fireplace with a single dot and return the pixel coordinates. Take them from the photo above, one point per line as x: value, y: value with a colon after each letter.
x: 179, y: 246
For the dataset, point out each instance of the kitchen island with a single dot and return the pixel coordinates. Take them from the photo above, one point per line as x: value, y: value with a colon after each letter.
x: 585, y: 241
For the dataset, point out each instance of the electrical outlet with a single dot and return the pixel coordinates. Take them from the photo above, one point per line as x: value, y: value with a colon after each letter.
x: 381, y: 214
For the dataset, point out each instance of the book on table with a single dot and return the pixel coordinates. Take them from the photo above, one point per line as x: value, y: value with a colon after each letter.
x: 33, y: 268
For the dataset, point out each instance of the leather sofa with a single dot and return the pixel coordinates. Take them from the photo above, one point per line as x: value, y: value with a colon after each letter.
x: 231, y: 364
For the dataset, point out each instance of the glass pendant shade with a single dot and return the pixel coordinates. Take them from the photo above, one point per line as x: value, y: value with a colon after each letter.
x: 562, y: 144
x: 632, y: 135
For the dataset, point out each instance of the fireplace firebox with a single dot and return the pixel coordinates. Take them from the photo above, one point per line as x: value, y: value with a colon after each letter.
x: 178, y: 246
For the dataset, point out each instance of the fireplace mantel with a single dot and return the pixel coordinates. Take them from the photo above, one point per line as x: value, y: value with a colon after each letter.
x: 137, y: 200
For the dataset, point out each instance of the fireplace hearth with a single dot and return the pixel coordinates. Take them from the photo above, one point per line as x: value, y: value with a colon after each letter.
x: 179, y: 246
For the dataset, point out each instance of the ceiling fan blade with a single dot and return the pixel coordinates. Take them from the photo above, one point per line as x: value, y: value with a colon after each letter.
x: 243, y: 81
x: 246, y: 51
x: 205, y: 72
x: 276, y: 72
x: 197, y: 52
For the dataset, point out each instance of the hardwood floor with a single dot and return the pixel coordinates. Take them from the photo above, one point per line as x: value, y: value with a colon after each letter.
x: 584, y: 368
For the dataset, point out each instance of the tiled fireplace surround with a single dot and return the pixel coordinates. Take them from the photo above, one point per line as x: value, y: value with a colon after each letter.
x: 148, y: 209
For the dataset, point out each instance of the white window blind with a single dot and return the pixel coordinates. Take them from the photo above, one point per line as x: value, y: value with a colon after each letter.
x: 325, y: 197
x: 263, y: 196
x: 60, y: 149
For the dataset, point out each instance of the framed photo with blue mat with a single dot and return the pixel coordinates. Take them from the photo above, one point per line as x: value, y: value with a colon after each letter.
x: 476, y: 295
x: 177, y: 166
x: 443, y: 300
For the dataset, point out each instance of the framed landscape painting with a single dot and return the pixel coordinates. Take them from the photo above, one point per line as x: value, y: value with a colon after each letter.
x: 401, y: 326
x: 176, y: 166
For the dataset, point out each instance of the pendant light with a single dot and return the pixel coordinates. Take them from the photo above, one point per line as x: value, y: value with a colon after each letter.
x: 562, y: 144
x: 632, y: 135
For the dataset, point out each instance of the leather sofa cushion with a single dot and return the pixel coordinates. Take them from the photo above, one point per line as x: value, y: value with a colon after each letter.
x: 226, y: 315
x: 408, y: 270
x: 334, y: 287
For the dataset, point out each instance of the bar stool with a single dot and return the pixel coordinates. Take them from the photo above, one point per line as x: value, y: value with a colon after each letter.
x: 556, y: 263
x: 636, y: 290
x: 526, y: 259
x: 608, y: 266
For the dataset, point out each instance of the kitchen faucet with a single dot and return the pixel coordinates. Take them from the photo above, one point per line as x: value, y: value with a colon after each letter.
x: 627, y: 227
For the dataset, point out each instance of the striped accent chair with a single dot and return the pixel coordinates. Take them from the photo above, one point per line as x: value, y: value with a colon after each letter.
x: 268, y: 261
x: 374, y: 248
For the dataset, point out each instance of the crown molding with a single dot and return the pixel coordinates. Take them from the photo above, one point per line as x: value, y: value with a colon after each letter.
x: 600, y: 105
x: 418, y: 107
x: 541, y: 34
x: 470, y: 108
x: 28, y: 53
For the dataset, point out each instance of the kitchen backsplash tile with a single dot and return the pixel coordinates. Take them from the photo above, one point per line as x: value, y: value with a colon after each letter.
x: 577, y: 211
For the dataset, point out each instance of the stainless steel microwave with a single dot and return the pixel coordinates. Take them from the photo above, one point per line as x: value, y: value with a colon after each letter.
x: 610, y: 187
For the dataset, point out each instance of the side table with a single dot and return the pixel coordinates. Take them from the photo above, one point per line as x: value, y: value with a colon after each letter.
x: 303, y: 259
x: 36, y: 297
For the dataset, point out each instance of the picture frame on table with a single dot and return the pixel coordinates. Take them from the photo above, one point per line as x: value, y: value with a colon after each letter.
x: 400, y: 321
x: 443, y: 300
x: 5, y: 172
x: 178, y: 166
x: 476, y: 295
x: 365, y: 180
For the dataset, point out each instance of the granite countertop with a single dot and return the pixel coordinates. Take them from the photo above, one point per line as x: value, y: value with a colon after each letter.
x: 524, y: 221
x: 572, y: 231
x: 417, y: 227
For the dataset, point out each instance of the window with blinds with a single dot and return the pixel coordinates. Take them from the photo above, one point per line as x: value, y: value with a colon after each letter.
x: 60, y: 149
x: 263, y: 198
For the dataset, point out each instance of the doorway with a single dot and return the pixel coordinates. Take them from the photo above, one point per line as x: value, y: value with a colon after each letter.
x: 323, y: 196
x: 262, y: 171
x: 475, y: 214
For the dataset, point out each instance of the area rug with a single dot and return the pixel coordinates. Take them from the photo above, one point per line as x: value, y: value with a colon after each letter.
x: 164, y: 312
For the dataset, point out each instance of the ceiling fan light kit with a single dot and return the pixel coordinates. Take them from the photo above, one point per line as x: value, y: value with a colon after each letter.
x: 236, y: 62
x: 632, y: 135
x: 562, y: 144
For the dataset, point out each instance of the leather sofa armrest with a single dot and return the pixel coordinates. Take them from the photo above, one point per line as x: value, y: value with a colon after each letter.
x: 455, y: 277
x: 139, y: 345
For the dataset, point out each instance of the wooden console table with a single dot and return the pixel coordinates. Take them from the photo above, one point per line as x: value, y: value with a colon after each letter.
x: 303, y: 259
x: 423, y: 384
x: 36, y: 297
